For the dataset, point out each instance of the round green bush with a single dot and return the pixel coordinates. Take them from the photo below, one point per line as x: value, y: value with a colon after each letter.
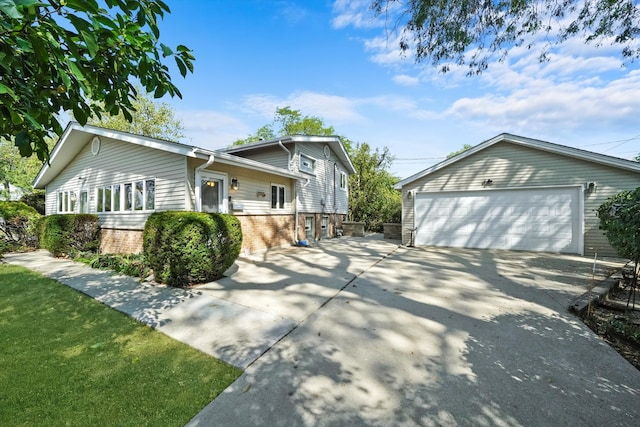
x: 184, y: 248
x: 67, y: 234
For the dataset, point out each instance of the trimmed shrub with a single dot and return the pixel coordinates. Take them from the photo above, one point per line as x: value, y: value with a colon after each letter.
x: 69, y: 234
x: 35, y: 199
x: 18, y: 227
x: 190, y: 247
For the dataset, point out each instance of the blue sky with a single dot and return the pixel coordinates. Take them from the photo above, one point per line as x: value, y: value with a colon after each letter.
x: 335, y: 60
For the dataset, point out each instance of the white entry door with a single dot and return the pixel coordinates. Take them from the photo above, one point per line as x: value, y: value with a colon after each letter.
x: 212, y: 192
x: 542, y: 219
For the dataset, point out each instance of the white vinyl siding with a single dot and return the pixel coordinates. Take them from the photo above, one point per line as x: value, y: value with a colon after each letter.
x: 318, y: 195
x: 118, y: 163
x: 509, y: 166
x: 322, y: 194
x: 254, y: 188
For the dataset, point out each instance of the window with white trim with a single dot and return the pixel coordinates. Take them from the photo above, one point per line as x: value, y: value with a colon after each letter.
x: 67, y: 201
x: 343, y: 181
x: 277, y: 196
x: 127, y: 197
x: 307, y: 164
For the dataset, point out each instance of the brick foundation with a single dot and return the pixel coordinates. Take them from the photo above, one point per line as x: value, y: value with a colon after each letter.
x: 115, y: 241
x: 335, y: 222
x: 261, y: 232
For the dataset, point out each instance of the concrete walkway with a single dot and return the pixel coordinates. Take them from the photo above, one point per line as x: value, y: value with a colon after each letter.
x: 363, y: 332
x: 237, y: 318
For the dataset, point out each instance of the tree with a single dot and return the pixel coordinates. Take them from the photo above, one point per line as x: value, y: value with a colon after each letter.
x: 289, y: 122
x: 148, y: 118
x: 77, y: 56
x: 372, y: 199
x: 470, y: 32
x: 462, y: 150
x: 620, y: 219
x: 16, y: 171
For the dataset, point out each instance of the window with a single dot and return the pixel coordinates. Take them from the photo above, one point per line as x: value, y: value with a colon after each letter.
x: 67, y: 201
x: 116, y: 197
x: 138, y: 196
x: 150, y: 194
x: 277, y: 196
x: 343, y: 181
x: 84, y: 202
x: 127, y: 197
x: 307, y: 164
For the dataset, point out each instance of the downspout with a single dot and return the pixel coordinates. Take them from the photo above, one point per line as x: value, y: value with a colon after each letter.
x: 295, y: 207
x: 198, y: 181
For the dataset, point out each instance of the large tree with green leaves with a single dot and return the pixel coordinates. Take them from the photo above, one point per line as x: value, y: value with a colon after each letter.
x: 288, y: 121
x: 472, y: 32
x: 372, y: 198
x: 150, y: 118
x: 78, y: 56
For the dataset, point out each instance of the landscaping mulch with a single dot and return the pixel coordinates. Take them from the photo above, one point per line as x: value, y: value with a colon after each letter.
x: 618, y: 325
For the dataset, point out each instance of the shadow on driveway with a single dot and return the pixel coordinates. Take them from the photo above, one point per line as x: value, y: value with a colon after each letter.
x: 442, y: 337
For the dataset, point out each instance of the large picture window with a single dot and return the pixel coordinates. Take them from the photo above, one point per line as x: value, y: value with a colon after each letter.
x: 130, y: 196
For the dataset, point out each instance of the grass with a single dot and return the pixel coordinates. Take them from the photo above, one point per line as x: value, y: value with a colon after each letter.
x: 66, y: 359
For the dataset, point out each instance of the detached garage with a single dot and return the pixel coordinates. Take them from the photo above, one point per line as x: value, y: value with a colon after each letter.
x: 515, y: 193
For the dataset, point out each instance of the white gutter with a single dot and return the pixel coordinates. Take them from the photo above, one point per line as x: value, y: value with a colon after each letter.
x: 295, y: 186
x: 198, y: 182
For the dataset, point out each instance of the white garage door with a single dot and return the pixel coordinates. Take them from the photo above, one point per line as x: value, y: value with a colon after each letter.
x: 544, y: 219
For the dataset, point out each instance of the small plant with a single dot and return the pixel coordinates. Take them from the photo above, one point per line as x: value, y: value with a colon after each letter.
x: 133, y: 265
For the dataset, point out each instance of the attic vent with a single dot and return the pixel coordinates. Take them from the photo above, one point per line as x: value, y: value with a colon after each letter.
x: 327, y: 151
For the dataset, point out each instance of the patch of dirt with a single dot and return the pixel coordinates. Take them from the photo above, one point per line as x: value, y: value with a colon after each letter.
x: 617, y: 325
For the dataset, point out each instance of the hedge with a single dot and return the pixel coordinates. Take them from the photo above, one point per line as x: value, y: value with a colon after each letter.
x: 69, y: 234
x: 183, y: 248
x: 18, y: 226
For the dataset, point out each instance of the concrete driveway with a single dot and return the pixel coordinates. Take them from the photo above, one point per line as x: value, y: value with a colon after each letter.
x: 424, y: 336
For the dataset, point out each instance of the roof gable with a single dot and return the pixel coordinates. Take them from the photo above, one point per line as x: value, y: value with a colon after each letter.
x: 76, y: 136
x: 558, y: 149
x: 333, y: 141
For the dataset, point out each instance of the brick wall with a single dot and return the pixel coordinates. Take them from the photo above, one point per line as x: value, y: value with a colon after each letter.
x: 261, y: 232
x: 114, y: 241
x: 335, y: 221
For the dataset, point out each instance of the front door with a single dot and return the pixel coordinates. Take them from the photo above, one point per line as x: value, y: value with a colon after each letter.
x: 211, y: 194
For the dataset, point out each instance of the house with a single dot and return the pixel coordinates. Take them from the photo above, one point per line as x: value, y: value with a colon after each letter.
x: 123, y: 178
x: 517, y: 193
x: 323, y: 194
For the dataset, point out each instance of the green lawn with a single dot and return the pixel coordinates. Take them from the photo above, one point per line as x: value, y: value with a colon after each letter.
x: 66, y: 359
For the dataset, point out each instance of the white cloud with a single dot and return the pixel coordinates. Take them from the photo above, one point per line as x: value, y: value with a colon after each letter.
x: 354, y: 13
x: 331, y: 108
x: 406, y: 80
x: 211, y: 129
x: 546, y: 105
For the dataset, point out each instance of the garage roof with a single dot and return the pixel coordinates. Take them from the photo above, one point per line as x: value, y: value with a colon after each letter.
x: 530, y: 143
